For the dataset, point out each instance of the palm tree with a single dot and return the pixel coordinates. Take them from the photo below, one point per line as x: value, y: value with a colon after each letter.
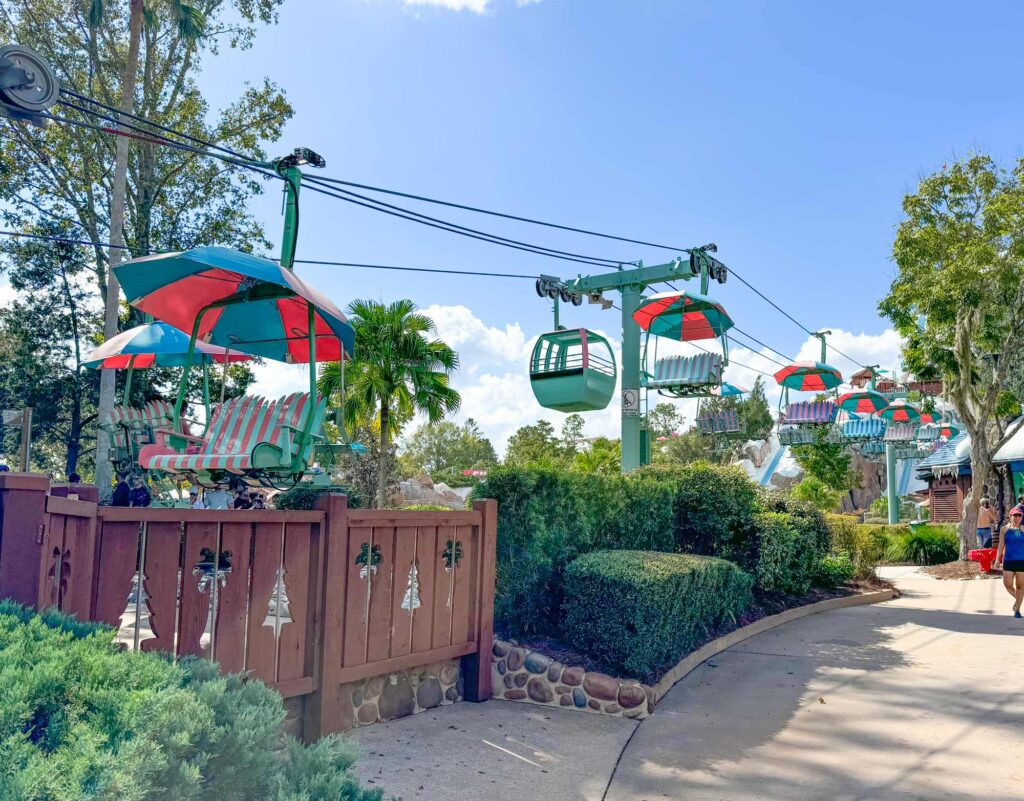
x: 396, y: 372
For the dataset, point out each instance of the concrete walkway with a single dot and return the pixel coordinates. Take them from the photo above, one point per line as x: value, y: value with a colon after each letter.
x: 918, y: 698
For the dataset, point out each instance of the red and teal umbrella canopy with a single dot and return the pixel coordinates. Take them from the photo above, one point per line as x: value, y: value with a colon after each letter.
x: 156, y: 344
x: 899, y: 411
x: 683, y: 316
x: 264, y: 311
x: 864, y: 401
x: 949, y: 432
x: 809, y: 376
x: 727, y: 390
x: 927, y: 417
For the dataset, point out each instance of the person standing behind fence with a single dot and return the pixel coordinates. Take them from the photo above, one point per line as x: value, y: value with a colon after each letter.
x: 1011, y: 556
x: 217, y: 498
x: 139, y: 495
x: 122, y: 492
x: 987, y: 522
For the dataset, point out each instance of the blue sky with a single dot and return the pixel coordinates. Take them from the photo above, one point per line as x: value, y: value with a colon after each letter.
x: 787, y: 133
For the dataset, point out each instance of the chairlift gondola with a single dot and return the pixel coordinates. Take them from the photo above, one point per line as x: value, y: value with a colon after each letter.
x: 573, y: 370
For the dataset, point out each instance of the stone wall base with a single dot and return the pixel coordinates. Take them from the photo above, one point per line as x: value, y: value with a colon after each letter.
x: 518, y: 674
x: 406, y: 692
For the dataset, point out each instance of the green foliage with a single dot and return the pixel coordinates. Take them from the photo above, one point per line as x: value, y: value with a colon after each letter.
x: 753, y: 411
x: 817, y: 492
x: 834, y: 570
x: 664, y: 420
x: 828, y: 462
x: 547, y: 517
x: 864, y: 545
x: 572, y: 431
x: 536, y: 445
x: 397, y: 371
x: 82, y: 718
x: 785, y: 563
x: 924, y: 545
x: 426, y: 507
x: 687, y: 448
x: 712, y: 509
x: 603, y: 456
x: 640, y: 611
x: 445, y: 446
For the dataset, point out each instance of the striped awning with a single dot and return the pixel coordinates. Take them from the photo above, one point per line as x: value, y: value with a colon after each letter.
x: 814, y: 412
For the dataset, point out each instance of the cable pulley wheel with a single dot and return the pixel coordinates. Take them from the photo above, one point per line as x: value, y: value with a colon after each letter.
x: 43, y: 88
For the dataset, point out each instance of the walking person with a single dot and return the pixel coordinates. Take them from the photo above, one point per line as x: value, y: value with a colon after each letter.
x: 1011, y: 557
x: 988, y: 520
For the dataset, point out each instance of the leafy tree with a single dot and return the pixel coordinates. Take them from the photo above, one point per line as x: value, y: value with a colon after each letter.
x: 756, y: 414
x: 958, y: 299
x: 535, y: 445
x: 684, y: 449
x: 603, y: 456
x: 828, y: 463
x: 815, y: 491
x: 664, y: 420
x: 396, y: 369
x: 174, y: 199
x: 446, y: 446
x: 572, y: 431
x: 44, y: 335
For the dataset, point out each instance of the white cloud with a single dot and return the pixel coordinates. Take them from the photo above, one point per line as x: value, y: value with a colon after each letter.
x: 476, y: 6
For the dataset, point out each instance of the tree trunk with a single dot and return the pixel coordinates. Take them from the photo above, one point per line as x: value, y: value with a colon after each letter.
x: 382, y: 457
x: 981, y: 474
x: 119, y: 191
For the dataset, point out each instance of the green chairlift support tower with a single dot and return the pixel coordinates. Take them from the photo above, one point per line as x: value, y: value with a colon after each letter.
x: 630, y: 281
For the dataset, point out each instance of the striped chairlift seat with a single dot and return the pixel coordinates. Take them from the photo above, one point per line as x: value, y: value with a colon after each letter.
x: 245, y: 435
x: 899, y: 432
x: 795, y: 435
x: 810, y: 413
x: 862, y: 429
x: 686, y: 375
x: 724, y: 422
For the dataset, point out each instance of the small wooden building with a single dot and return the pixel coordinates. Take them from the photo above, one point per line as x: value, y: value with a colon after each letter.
x: 948, y: 473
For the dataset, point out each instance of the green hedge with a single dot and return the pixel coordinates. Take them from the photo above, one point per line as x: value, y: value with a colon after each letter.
x: 864, y: 545
x: 546, y: 518
x: 640, y: 611
x: 81, y: 718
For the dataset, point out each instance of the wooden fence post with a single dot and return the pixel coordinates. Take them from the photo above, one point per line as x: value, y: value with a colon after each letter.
x: 327, y: 710
x: 476, y: 668
x: 22, y: 529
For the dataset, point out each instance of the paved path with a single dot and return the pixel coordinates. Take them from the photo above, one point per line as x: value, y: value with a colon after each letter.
x: 920, y: 698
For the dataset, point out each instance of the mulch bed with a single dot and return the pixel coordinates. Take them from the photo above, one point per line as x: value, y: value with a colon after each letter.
x: 764, y: 605
x: 960, y: 571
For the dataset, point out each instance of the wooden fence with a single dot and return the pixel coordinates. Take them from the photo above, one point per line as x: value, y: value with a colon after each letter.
x: 307, y: 601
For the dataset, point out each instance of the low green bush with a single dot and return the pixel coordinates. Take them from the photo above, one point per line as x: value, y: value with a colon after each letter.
x: 786, y: 563
x: 834, y: 570
x: 712, y: 508
x: 548, y: 517
x: 80, y: 718
x: 865, y: 545
x: 924, y: 545
x: 640, y: 611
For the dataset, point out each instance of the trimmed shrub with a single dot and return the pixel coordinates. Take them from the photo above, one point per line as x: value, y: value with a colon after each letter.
x: 547, y: 517
x: 81, y: 718
x: 712, y: 510
x: 924, y: 545
x: 834, y: 570
x: 639, y: 611
x: 785, y: 562
x: 865, y: 545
